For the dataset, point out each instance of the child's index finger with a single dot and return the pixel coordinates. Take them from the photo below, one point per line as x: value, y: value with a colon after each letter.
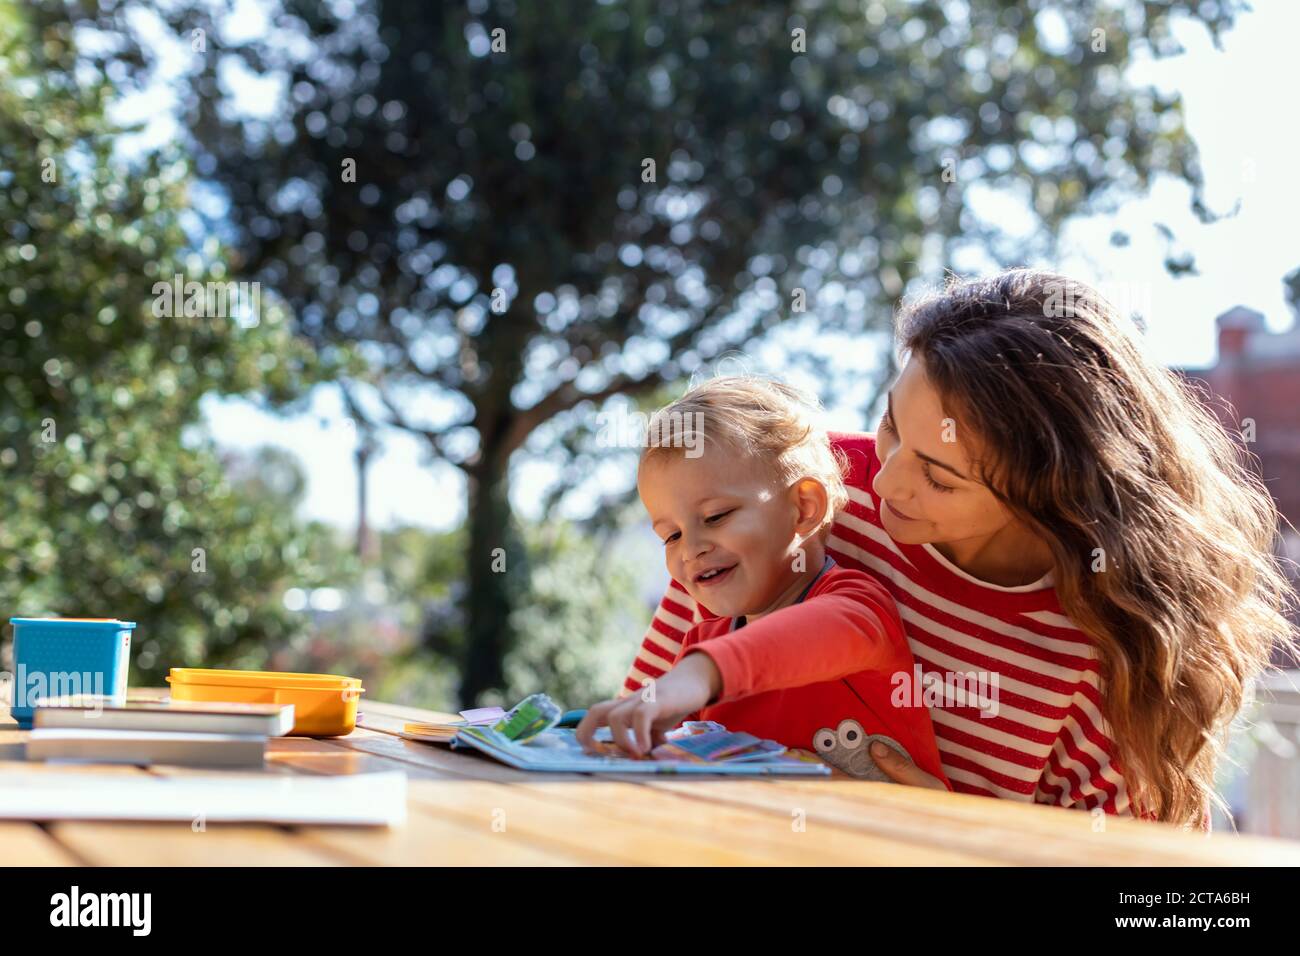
x: 591, y: 721
x: 641, y: 728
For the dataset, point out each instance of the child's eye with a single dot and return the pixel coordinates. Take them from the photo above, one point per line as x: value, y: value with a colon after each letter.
x: 934, y: 484
x: 711, y: 519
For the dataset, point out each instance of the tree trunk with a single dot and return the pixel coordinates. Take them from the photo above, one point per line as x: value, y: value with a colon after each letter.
x: 492, y: 574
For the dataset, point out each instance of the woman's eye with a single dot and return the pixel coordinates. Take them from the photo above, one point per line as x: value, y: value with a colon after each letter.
x: 934, y: 484
x: 886, y: 423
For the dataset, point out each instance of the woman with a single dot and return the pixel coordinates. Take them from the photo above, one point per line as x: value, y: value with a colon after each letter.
x: 1060, y: 518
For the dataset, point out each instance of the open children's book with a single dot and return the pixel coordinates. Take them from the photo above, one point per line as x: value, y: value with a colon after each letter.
x: 527, y: 738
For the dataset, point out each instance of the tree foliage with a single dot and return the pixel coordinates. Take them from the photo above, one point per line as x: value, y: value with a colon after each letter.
x: 114, y: 503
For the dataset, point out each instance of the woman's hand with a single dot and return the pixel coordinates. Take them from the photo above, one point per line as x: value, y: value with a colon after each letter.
x: 902, y: 770
x: 638, y: 725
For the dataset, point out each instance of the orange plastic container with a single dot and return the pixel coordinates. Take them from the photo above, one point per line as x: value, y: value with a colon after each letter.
x: 324, y: 705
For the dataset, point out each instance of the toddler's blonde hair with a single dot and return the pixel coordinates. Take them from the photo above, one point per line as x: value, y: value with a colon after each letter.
x: 764, y: 419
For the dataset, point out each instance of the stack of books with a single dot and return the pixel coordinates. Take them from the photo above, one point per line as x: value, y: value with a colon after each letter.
x: 146, y: 731
x: 444, y: 731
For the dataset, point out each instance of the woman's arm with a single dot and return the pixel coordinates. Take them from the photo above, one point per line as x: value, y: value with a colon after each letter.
x: 1082, y: 772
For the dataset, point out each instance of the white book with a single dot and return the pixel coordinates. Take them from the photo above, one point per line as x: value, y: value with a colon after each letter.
x: 147, y: 747
x: 363, y: 799
x: 144, y: 713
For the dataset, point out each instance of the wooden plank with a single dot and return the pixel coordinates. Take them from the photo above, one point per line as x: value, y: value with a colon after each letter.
x: 26, y: 844
x: 858, y: 805
x: 1149, y: 840
x: 996, y: 829
x: 346, y: 760
x: 789, y: 839
x: 430, y: 837
x: 627, y: 803
x: 497, y: 808
x: 117, y: 843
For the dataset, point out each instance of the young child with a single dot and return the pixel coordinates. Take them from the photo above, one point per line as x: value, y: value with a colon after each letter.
x: 741, y: 487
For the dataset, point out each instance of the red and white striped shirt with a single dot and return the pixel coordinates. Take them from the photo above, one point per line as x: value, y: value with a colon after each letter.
x: 1048, y: 741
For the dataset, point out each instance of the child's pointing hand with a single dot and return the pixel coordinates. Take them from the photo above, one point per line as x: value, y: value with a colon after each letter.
x: 637, y: 723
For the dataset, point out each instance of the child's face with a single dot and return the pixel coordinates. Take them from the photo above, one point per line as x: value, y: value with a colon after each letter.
x: 726, y: 511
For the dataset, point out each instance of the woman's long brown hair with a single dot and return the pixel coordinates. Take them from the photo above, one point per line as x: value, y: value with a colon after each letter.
x: 1119, y: 464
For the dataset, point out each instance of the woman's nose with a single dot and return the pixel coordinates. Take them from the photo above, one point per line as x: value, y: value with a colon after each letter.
x: 886, y: 483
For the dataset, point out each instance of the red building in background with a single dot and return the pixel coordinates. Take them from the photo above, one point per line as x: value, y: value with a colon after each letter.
x: 1257, y: 375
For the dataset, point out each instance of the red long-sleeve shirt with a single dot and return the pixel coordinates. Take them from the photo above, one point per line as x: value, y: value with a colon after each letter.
x: 821, y: 679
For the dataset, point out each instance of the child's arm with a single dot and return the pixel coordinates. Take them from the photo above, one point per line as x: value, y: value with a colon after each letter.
x: 851, y: 626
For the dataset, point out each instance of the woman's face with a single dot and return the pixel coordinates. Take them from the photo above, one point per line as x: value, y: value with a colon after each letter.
x: 928, y: 482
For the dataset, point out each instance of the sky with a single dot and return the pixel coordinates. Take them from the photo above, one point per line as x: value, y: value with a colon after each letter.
x: 1248, y: 146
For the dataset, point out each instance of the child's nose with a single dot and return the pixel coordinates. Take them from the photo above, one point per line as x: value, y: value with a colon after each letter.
x: 697, y: 544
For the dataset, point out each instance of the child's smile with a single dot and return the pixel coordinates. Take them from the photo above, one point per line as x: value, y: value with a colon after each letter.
x: 714, y: 576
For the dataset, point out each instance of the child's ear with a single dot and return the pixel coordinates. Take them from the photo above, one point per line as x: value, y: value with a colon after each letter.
x: 811, y: 502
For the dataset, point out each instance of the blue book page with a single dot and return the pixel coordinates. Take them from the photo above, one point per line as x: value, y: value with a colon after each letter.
x: 558, y: 751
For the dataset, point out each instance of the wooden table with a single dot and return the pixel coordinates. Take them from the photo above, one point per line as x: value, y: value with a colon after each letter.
x: 466, y: 809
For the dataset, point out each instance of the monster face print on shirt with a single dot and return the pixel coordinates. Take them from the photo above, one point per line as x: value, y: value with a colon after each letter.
x: 846, y: 748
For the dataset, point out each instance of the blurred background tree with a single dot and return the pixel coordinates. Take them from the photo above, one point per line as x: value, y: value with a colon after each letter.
x: 522, y: 213
x: 114, y: 505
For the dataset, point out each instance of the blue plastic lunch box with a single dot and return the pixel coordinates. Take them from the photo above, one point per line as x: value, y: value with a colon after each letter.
x: 55, y: 656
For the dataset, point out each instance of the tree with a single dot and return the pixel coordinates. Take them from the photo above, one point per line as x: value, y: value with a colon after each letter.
x: 580, y: 592
x: 523, y: 210
x: 113, y: 505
